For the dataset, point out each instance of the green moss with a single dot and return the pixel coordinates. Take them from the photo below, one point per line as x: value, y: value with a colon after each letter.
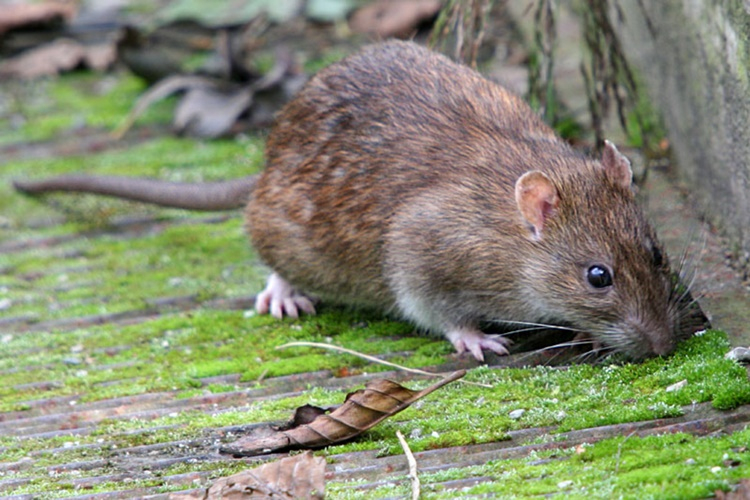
x: 51, y: 108
x: 644, y: 127
x: 97, y: 269
x: 666, y: 466
x: 314, y: 65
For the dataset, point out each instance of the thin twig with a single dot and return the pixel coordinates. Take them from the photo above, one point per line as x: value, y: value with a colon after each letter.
x: 412, y: 466
x: 372, y: 359
x: 619, y: 450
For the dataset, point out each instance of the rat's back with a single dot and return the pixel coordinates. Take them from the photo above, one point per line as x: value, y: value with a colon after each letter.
x: 361, y: 139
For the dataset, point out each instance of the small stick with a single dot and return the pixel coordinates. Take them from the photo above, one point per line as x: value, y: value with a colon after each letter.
x: 619, y: 451
x: 412, y: 466
x: 372, y: 359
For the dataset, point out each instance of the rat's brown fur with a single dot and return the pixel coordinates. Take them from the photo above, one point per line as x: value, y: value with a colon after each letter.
x: 393, y: 173
x: 399, y: 180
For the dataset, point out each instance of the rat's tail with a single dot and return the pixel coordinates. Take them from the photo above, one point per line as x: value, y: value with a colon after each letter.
x: 210, y: 196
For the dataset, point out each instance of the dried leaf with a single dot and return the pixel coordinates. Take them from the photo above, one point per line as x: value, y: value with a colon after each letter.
x: 300, y: 476
x: 393, y: 18
x: 55, y: 57
x: 211, y: 107
x: 23, y: 15
x: 164, y: 89
x: 100, y: 57
x: 148, y: 57
x: 362, y: 410
x: 210, y: 112
x: 305, y: 415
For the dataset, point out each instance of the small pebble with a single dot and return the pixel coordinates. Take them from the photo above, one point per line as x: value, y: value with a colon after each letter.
x: 716, y: 469
x: 677, y: 386
x: 565, y: 484
x: 690, y: 461
x: 516, y: 414
x: 739, y: 354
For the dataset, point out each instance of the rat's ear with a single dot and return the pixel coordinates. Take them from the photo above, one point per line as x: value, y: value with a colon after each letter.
x: 537, y: 199
x: 617, y: 165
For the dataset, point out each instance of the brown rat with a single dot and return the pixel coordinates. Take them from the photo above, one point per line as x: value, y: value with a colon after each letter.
x: 400, y: 180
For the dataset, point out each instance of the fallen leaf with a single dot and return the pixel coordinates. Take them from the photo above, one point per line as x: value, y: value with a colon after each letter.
x: 361, y: 410
x: 146, y: 58
x: 200, y: 109
x: 211, y: 107
x: 300, y: 476
x: 210, y: 111
x: 393, y: 18
x: 23, y: 15
x: 100, y: 57
x: 56, y: 57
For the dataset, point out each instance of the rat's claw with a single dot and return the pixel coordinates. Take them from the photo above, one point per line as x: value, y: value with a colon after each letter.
x: 304, y: 303
x: 279, y: 298
x: 474, y: 341
x: 262, y: 302
x: 290, y: 307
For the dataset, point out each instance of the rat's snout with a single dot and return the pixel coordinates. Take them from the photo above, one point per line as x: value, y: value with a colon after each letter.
x: 662, y: 343
x: 659, y: 334
x: 654, y: 337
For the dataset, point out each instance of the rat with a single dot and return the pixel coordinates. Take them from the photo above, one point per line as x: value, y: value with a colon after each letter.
x: 399, y: 180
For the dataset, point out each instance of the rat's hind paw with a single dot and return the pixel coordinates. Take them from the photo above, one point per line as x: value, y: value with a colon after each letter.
x: 279, y: 298
x: 474, y: 341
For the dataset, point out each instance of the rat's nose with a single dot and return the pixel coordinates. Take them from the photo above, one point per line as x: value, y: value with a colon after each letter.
x: 662, y: 344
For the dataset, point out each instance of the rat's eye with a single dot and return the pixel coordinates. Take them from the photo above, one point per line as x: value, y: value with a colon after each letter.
x: 599, y: 276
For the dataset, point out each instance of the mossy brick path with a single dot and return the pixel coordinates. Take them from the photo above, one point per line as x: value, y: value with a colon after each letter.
x: 127, y: 353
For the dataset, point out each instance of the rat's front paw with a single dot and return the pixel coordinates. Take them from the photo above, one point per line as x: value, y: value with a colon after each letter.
x: 280, y: 298
x: 474, y: 341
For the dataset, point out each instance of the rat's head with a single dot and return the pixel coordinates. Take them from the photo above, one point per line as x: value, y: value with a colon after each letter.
x: 595, y: 262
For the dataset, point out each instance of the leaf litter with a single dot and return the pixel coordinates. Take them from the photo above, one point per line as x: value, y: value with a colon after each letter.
x: 315, y: 427
x: 298, y: 476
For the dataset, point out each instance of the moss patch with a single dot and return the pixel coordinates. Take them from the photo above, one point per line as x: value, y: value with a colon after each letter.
x: 47, y: 108
x: 168, y: 388
x: 668, y: 466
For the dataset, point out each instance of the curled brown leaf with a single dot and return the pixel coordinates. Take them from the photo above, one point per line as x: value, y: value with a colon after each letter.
x: 361, y: 410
